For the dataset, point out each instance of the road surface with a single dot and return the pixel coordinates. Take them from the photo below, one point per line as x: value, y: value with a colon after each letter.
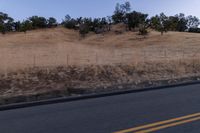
x: 170, y: 110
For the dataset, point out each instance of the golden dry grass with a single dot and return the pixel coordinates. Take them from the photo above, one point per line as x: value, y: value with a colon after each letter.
x: 61, y: 47
x: 97, y: 61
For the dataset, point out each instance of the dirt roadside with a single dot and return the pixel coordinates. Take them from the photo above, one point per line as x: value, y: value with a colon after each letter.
x: 45, y: 83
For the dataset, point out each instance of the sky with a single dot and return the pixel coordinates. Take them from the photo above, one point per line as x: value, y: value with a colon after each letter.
x: 22, y: 9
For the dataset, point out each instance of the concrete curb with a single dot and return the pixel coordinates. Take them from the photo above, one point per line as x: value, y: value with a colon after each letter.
x: 90, y: 96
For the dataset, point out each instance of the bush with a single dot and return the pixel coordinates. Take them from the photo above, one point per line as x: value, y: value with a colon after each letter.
x: 52, y: 22
x: 194, y: 30
x: 38, y: 22
x: 143, y: 29
x: 71, y: 24
x: 120, y: 12
x: 25, y: 26
x: 84, y: 29
x: 134, y: 19
x: 2, y: 29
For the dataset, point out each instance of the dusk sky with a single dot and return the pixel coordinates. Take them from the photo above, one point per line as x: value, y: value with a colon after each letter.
x: 22, y: 9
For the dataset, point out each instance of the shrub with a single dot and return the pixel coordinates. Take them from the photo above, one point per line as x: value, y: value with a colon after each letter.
x: 194, y: 30
x: 52, y: 22
x: 38, y: 22
x: 26, y: 25
x: 143, y: 29
x: 84, y: 29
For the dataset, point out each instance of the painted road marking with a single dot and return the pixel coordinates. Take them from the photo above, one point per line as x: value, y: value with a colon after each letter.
x: 169, y: 125
x: 163, y: 124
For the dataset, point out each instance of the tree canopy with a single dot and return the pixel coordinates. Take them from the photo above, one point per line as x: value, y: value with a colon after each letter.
x: 123, y: 13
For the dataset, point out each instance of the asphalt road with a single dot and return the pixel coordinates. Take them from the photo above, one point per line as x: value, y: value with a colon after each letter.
x: 171, y: 110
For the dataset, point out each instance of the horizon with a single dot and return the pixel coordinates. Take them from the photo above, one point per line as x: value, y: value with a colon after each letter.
x: 51, y: 8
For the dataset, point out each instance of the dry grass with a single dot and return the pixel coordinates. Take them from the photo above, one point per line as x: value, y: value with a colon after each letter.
x: 90, y: 78
x: 59, y: 46
x: 95, y: 61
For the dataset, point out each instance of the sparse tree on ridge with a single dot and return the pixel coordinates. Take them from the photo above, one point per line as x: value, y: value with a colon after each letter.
x: 122, y: 14
x: 193, y: 22
x: 17, y: 26
x: 6, y: 23
x: 126, y: 7
x: 182, y: 23
x: 52, y: 22
x: 160, y: 23
x: 83, y: 29
x: 69, y: 22
x: 26, y: 25
x: 119, y: 15
x: 38, y: 22
x: 143, y: 27
x: 135, y: 18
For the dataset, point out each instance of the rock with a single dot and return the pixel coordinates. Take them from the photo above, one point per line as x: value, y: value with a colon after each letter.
x: 120, y: 87
x: 105, y: 87
x: 150, y: 83
x: 61, y: 74
x: 35, y: 79
x: 118, y: 81
x: 137, y: 82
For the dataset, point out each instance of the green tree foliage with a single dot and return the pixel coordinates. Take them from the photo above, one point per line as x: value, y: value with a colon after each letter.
x: 6, y: 23
x: 155, y: 22
x: 52, y: 22
x: 69, y: 22
x: 143, y: 26
x: 126, y: 7
x: 193, y: 22
x: 97, y: 25
x: 88, y: 22
x: 26, y: 25
x: 194, y: 30
x: 120, y: 12
x: 9, y: 25
x: 182, y: 23
x: 84, y: 29
x: 160, y: 23
x: 17, y: 26
x: 38, y: 22
x: 172, y: 23
x: 2, y: 28
x: 178, y: 22
x: 163, y: 27
x: 118, y: 16
x: 163, y: 23
x: 135, y: 18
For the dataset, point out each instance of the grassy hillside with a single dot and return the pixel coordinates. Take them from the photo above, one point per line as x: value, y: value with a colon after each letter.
x: 59, y: 46
x: 57, y: 62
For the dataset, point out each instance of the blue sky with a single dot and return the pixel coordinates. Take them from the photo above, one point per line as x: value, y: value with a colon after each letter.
x: 21, y: 9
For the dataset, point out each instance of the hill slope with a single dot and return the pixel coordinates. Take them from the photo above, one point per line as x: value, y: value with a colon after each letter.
x: 58, y: 62
x: 60, y: 46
